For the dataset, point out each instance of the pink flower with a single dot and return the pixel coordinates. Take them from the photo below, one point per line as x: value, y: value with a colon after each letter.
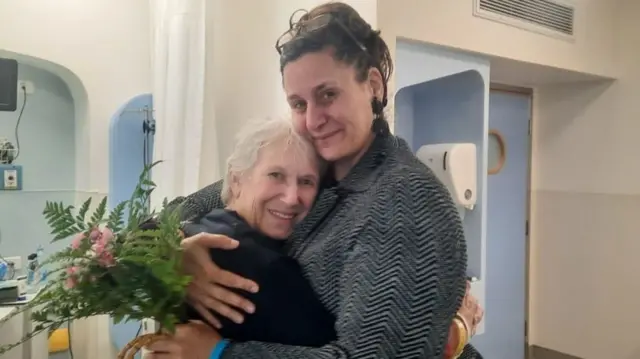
x: 77, y: 240
x: 95, y: 234
x: 101, y: 240
x: 72, y: 277
x: 106, y: 259
x: 107, y: 236
x: 98, y: 237
x: 98, y: 248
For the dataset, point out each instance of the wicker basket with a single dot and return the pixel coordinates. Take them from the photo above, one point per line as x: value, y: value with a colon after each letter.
x: 130, y: 350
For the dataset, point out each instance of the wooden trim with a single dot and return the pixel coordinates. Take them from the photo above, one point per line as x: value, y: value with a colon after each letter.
x: 503, y: 152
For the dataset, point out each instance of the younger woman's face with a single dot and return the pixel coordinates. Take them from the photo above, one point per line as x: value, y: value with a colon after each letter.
x: 330, y: 106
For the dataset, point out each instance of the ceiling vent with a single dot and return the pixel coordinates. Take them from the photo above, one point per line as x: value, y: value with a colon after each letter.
x: 549, y: 17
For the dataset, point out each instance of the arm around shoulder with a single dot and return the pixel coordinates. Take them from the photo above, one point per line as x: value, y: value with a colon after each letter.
x: 199, y: 203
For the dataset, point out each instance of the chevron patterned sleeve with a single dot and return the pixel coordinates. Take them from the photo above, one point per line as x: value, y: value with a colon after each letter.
x: 403, y: 282
x: 199, y: 203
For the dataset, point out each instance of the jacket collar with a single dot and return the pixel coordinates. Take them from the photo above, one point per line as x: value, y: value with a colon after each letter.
x: 363, y: 173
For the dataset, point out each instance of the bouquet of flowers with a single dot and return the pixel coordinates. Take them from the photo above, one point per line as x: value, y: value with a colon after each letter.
x: 112, y: 267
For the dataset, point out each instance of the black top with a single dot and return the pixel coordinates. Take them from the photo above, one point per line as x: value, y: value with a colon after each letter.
x: 287, y: 309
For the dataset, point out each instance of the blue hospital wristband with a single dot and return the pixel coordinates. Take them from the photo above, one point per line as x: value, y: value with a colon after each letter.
x: 219, y: 348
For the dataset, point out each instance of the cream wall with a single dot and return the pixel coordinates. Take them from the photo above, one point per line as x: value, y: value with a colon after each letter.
x: 104, y: 46
x: 586, y: 200
x: 452, y: 24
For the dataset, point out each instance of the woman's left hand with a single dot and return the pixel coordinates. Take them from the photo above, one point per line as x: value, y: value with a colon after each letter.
x: 471, y: 311
x: 195, y: 340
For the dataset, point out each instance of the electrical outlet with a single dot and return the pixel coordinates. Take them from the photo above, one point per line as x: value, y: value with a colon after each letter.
x: 26, y: 86
x: 17, y: 262
x: 10, y: 179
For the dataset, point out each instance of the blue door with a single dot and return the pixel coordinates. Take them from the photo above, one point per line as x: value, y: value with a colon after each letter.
x: 507, y: 213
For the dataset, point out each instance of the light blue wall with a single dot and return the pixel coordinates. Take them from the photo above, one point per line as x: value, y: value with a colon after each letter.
x: 47, y: 154
x: 506, y: 238
x: 442, y: 96
x: 126, y: 162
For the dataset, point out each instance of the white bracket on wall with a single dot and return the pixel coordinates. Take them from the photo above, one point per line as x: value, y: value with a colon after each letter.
x: 149, y: 326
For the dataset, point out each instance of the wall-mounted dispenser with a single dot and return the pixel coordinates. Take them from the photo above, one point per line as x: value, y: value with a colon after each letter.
x: 455, y: 164
x: 10, y: 173
x: 10, y: 177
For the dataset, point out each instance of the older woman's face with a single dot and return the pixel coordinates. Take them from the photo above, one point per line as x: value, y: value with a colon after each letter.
x: 329, y: 105
x: 278, y: 191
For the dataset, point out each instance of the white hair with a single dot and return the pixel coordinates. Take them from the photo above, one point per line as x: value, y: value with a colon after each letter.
x: 256, y: 135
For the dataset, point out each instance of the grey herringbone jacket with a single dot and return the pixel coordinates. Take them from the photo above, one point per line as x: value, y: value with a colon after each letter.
x: 385, y: 252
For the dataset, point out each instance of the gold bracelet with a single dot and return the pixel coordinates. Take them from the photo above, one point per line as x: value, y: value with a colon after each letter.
x: 463, y: 337
x: 467, y: 327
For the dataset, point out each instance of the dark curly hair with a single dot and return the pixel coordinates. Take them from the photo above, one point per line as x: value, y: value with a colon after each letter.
x: 337, y: 26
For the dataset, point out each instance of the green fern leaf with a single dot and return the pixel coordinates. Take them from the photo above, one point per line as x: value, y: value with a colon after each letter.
x: 66, y: 232
x: 116, y: 220
x: 99, y: 213
x: 60, y: 219
x: 83, y: 211
x: 54, y: 210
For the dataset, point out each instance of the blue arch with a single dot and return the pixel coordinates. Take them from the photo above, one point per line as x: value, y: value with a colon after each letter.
x: 129, y: 150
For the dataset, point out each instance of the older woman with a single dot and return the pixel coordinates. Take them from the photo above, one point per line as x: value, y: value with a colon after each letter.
x: 383, y: 247
x: 271, y: 183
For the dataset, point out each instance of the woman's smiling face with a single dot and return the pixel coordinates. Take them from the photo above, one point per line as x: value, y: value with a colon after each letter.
x: 329, y: 105
x: 279, y: 190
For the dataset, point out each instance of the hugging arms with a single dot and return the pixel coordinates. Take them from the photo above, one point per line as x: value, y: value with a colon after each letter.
x: 399, y: 309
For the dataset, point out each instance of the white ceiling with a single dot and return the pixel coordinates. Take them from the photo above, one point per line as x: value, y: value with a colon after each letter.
x: 522, y: 74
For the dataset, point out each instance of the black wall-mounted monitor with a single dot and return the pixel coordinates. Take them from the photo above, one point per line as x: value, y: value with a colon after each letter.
x: 8, y: 84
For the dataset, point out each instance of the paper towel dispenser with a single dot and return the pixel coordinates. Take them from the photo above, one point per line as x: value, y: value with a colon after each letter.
x: 455, y: 164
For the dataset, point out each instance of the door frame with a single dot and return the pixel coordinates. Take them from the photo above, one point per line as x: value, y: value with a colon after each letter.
x: 498, y: 87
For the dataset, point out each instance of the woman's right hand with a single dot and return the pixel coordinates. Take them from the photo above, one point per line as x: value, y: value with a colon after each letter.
x: 209, y: 288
